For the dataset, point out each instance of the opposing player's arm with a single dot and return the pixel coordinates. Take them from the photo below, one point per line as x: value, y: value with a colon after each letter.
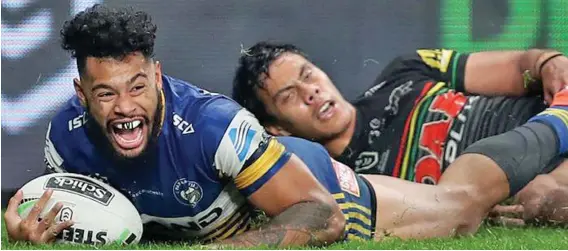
x: 505, y: 72
x: 302, y: 211
x: 491, y: 73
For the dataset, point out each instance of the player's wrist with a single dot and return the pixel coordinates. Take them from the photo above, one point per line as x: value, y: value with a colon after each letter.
x: 531, y: 65
x: 544, y: 57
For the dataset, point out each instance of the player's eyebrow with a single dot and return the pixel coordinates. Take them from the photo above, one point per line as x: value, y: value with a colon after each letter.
x: 101, y: 86
x: 302, y: 70
x: 107, y: 86
x: 279, y: 92
x: 300, y: 74
x: 140, y: 74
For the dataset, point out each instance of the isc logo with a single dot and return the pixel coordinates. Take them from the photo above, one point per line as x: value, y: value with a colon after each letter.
x: 77, y: 122
x: 182, y: 125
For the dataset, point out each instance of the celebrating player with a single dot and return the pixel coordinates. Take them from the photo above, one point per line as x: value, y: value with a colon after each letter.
x: 194, y: 163
x: 417, y: 117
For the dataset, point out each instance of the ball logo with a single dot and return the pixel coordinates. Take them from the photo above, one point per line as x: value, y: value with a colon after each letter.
x: 82, y: 187
x: 187, y: 192
x: 65, y: 214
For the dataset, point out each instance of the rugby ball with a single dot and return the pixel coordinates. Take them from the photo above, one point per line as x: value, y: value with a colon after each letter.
x: 100, y: 213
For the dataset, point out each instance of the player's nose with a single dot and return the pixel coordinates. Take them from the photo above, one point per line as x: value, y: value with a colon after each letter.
x: 311, y: 94
x: 125, y: 105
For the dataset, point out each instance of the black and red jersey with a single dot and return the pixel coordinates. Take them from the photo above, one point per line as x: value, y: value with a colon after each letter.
x: 417, y: 117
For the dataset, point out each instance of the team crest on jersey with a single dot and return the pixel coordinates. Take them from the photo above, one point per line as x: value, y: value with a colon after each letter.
x: 346, y: 177
x: 187, y: 192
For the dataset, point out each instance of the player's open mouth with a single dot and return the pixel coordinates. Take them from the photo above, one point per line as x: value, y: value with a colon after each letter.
x: 326, y: 110
x: 128, y: 134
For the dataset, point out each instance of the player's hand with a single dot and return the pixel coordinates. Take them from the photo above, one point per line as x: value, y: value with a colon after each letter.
x: 554, y: 76
x: 509, y: 215
x: 32, y: 228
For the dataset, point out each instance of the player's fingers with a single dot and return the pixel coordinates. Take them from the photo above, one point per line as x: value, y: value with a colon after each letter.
x: 508, y: 222
x: 48, y: 220
x: 52, y: 232
x: 12, y: 209
x: 38, y: 206
x: 548, y: 97
x: 509, y: 209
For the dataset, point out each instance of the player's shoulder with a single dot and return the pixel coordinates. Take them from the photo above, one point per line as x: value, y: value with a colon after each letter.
x: 69, y: 121
x: 218, y: 124
x: 66, y: 141
x: 200, y: 107
x: 303, y: 148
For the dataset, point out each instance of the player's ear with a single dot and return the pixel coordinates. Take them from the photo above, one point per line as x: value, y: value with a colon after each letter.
x: 277, y: 130
x: 158, y: 70
x: 79, y: 92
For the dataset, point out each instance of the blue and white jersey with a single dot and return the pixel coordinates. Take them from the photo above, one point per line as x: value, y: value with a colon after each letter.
x: 211, y: 155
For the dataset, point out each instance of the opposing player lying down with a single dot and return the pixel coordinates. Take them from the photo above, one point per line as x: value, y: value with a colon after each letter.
x: 157, y: 138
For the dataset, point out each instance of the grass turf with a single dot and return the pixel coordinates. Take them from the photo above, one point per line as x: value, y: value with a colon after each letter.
x: 487, y: 238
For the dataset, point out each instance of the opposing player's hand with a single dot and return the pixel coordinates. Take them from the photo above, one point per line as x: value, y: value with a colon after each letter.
x: 33, y: 228
x: 554, y: 76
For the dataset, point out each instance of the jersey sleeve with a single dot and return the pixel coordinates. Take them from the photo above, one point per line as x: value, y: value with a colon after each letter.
x: 439, y: 65
x: 52, y: 159
x: 248, y: 155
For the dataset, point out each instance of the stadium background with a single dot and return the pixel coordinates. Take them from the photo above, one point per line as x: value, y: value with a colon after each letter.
x: 200, y: 41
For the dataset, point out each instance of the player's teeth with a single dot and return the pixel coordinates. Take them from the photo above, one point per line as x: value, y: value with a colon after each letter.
x: 118, y: 126
x: 135, y: 123
x: 324, y: 107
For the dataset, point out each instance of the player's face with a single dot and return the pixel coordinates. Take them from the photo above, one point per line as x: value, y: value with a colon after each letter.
x: 303, y: 98
x: 122, y: 96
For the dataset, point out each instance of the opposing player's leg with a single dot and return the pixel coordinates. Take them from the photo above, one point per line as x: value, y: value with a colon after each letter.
x: 489, y: 171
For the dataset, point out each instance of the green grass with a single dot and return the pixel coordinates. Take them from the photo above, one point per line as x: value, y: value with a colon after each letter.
x: 486, y: 238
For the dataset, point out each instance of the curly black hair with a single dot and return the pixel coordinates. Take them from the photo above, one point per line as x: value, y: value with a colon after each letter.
x: 102, y: 32
x: 251, y: 72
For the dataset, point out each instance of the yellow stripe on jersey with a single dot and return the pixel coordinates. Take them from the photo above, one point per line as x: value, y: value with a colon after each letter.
x: 338, y: 196
x: 355, y: 237
x: 258, y: 168
x: 223, y: 226
x: 240, y: 225
x: 559, y: 113
x: 430, y: 93
x: 345, y: 205
x: 348, y: 205
x: 358, y: 227
x: 351, y: 216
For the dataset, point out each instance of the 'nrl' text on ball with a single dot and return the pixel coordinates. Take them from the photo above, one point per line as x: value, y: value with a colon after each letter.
x: 82, y: 187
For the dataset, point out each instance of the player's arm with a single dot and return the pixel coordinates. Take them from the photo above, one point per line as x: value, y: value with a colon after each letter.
x: 513, y: 73
x: 491, y: 73
x: 302, y: 211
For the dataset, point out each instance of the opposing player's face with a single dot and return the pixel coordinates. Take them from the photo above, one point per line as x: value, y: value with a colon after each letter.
x: 122, y: 96
x: 303, y: 98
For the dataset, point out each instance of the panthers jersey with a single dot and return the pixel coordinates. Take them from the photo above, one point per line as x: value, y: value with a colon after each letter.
x: 417, y: 118
x: 210, y: 155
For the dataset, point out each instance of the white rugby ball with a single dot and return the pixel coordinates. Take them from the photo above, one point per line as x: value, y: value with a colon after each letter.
x: 100, y: 213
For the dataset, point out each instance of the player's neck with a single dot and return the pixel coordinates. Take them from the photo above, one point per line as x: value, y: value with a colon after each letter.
x: 336, y: 146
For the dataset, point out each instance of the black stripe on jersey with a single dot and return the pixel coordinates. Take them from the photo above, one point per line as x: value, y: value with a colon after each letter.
x: 239, y: 215
x: 259, y: 151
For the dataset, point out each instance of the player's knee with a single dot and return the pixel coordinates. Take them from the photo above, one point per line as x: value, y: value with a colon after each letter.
x: 468, y: 214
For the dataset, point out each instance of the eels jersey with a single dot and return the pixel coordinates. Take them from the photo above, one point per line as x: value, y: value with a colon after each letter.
x: 210, y: 155
x: 417, y: 118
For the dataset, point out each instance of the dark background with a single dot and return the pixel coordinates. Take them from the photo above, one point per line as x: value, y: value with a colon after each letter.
x: 200, y: 41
